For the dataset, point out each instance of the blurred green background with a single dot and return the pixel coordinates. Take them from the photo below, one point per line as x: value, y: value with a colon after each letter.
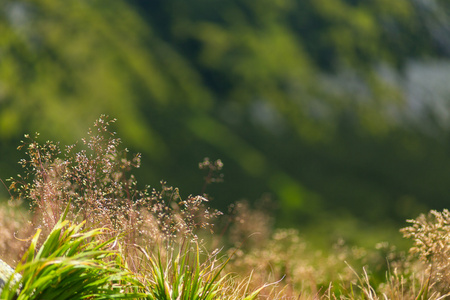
x: 332, y: 108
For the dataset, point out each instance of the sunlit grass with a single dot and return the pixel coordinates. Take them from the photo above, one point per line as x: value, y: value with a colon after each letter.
x: 103, y: 238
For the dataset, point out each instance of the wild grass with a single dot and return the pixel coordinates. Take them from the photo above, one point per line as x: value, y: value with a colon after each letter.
x: 92, y: 233
x: 72, y: 263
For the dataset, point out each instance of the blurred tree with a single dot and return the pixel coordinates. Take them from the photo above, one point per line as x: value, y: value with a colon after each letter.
x: 303, y: 99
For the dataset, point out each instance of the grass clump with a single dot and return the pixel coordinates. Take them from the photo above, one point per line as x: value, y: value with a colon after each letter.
x: 72, y: 263
x: 183, y: 274
x: 90, y: 184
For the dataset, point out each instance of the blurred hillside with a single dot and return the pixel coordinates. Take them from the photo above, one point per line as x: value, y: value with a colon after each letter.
x: 327, y: 106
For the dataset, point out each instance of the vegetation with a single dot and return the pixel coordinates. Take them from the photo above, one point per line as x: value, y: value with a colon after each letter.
x: 107, y: 239
x: 330, y: 116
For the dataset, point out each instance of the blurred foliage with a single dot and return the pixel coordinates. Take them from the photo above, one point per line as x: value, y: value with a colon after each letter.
x: 306, y: 100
